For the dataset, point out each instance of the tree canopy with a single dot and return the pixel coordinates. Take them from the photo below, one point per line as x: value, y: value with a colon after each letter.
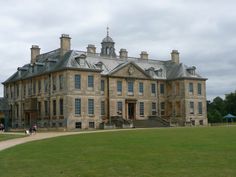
x: 218, y: 108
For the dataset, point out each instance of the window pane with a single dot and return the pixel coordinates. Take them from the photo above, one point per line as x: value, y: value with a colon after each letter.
x: 91, y: 125
x: 46, y: 108
x: 54, y: 107
x: 191, y: 106
x: 102, y: 108
x: 119, y: 107
x: 153, y: 108
x: 78, y: 125
x: 39, y: 86
x: 162, y: 108
x: 199, y: 88
x: 191, y: 87
x: 90, y: 81
x: 61, y: 106
x: 141, y: 108
x: 119, y: 86
x: 54, y: 83
x: 102, y: 85
x: 153, y: 88
x: 90, y: 106
x: 162, y: 89
x: 39, y: 108
x: 77, y: 106
x: 61, y: 82
x: 131, y: 86
x: 199, y: 107
x: 140, y: 87
x: 77, y: 81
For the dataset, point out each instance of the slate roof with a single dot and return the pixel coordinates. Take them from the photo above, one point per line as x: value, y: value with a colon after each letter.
x: 51, y: 62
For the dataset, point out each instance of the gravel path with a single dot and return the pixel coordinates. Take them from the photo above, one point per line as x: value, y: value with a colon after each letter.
x: 39, y: 136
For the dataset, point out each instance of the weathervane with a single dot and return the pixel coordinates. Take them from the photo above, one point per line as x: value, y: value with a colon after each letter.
x: 107, y: 31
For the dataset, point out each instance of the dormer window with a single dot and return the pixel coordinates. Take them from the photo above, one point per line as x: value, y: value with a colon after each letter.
x: 31, y: 68
x: 81, y: 59
x: 100, y: 65
x: 50, y: 62
x: 150, y: 71
x: 192, y: 70
x: 159, y: 72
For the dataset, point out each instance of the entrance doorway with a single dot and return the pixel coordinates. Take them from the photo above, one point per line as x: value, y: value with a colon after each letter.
x: 30, y: 118
x: 131, y: 111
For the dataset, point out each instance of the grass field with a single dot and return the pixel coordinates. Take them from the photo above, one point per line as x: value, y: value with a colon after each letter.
x: 4, y: 137
x: 170, y: 152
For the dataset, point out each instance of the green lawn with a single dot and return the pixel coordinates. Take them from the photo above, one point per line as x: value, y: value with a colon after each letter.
x: 170, y: 152
x: 4, y: 137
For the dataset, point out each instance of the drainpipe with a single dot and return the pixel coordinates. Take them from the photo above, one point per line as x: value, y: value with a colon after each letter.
x: 158, y: 100
x: 49, y: 100
x: 108, y: 100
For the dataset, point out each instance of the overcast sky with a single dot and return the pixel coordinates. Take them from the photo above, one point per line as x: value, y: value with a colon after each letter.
x: 204, y: 32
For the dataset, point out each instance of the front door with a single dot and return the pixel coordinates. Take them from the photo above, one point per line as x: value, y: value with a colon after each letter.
x: 27, y: 119
x: 131, y: 110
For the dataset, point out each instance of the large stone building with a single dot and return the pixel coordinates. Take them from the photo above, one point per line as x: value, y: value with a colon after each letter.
x: 82, y: 89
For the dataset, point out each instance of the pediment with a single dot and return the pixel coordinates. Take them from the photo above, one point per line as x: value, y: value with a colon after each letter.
x: 129, y: 70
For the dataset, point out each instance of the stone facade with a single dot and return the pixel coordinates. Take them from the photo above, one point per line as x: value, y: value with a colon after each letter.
x: 80, y: 90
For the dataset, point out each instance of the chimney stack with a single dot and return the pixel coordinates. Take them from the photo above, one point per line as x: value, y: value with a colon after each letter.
x: 123, y: 53
x: 91, y: 49
x: 35, y: 51
x: 175, y: 56
x: 65, y: 44
x: 144, y: 55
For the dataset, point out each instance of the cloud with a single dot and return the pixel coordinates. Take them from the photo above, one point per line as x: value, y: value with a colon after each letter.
x: 202, y: 31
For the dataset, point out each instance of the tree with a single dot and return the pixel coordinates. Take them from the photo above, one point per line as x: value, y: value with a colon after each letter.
x: 216, y: 110
x: 230, y: 103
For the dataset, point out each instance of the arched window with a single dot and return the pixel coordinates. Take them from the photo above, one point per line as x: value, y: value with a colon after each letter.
x: 107, y: 50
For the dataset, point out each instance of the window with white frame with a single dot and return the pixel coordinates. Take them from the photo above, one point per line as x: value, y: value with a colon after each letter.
x: 78, y: 125
x: 191, y: 107
x: 162, y: 108
x: 191, y: 88
x: 46, y: 108
x: 91, y: 125
x: 119, y: 106
x: 77, y: 81
x: 77, y: 106
x: 130, y: 87
x: 90, y: 106
x: 54, y: 107
x: 39, y: 86
x: 17, y: 90
x: 162, y: 89
x: 102, y: 108
x: 199, y: 89
x: 61, y: 106
x: 119, y: 87
x: 34, y: 87
x: 39, y: 108
x: 102, y: 85
x: 61, y: 82
x: 199, y: 107
x: 141, y: 108
x: 90, y: 82
x: 154, y: 108
x: 153, y: 89
x: 45, y: 85
x: 140, y: 88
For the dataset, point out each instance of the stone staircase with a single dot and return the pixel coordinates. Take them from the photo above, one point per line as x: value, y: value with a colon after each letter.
x: 152, y: 121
